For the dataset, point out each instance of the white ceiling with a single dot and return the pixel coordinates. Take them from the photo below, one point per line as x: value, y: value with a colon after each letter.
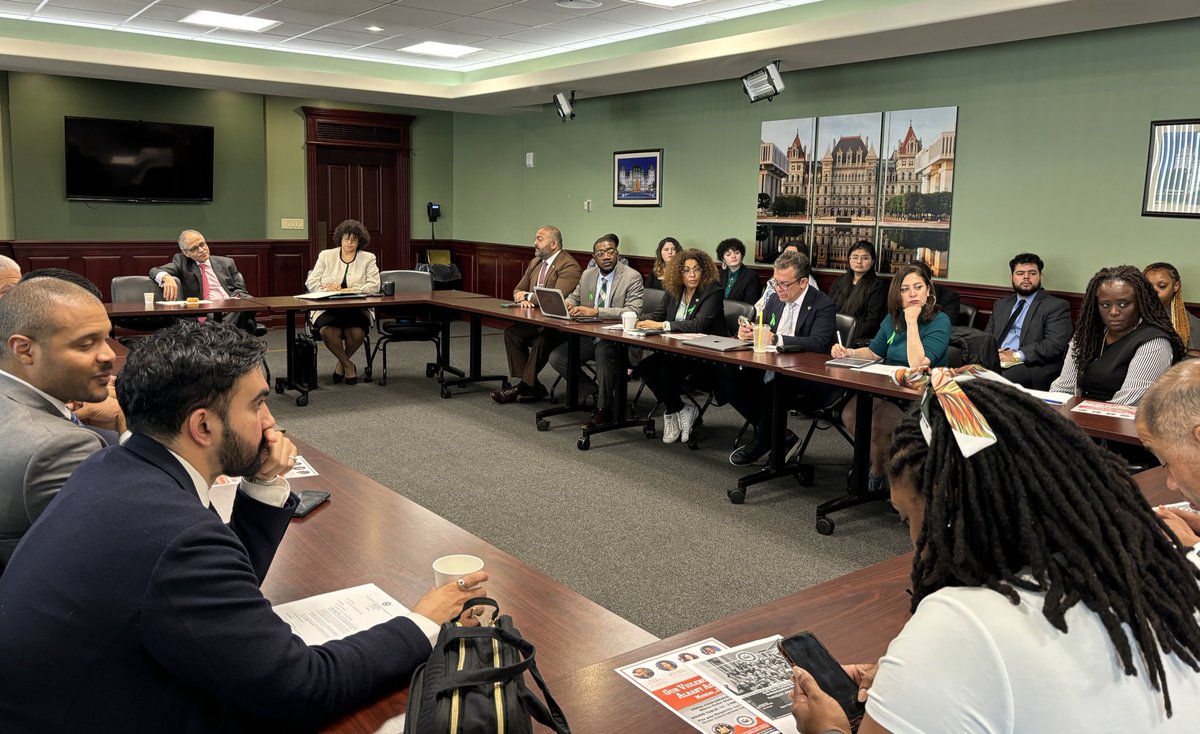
x: 512, y: 32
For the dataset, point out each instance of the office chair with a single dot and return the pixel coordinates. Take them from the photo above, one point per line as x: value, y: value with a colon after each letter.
x: 131, y: 289
x: 967, y: 314
x: 406, y: 326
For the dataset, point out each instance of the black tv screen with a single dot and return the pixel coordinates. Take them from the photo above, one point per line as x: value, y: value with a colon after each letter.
x: 126, y: 160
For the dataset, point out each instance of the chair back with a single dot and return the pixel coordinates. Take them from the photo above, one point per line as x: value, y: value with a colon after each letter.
x: 651, y: 299
x: 132, y: 288
x: 966, y: 315
x: 408, y: 281
x: 846, y: 325
x: 734, y: 309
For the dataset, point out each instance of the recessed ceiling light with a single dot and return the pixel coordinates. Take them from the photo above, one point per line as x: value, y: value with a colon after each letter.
x: 213, y: 19
x: 373, y: 28
x: 667, y: 3
x: 582, y: 4
x: 445, y: 50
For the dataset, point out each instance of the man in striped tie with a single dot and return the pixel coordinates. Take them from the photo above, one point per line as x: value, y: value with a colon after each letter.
x: 53, y: 350
x: 194, y: 272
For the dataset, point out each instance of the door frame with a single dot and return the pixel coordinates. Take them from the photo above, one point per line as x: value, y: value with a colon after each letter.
x: 375, y: 131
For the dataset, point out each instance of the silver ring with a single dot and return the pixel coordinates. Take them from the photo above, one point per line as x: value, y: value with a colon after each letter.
x: 462, y: 584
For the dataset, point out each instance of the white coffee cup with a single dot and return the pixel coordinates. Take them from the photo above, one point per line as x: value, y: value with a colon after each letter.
x: 628, y: 320
x: 448, y: 569
x: 149, y: 298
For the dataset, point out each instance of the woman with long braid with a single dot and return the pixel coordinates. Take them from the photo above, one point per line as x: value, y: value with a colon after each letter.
x: 1169, y: 286
x: 1046, y: 594
x: 1123, y: 341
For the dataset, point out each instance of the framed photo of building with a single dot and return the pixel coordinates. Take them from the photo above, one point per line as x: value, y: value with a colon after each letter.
x: 1173, y: 170
x: 637, y: 177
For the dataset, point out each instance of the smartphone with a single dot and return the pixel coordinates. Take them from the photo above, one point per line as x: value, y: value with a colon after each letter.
x: 806, y: 651
x: 743, y: 321
x: 309, y: 499
x: 508, y: 304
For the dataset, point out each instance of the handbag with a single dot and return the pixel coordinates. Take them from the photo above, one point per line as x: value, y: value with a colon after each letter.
x: 474, y: 681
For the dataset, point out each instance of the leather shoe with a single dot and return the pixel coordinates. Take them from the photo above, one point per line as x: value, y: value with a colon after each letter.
x: 505, y: 396
x: 600, y: 417
x: 527, y: 394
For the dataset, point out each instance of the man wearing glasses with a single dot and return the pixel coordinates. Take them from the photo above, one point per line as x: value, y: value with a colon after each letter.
x: 194, y: 272
x: 797, y: 316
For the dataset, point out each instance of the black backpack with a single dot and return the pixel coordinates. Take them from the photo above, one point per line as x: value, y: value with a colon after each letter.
x: 473, y: 682
x: 976, y: 347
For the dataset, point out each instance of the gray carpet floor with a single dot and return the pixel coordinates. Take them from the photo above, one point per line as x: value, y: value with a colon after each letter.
x: 641, y: 527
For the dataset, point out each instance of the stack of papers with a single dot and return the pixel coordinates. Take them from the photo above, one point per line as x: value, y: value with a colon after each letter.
x: 1112, y: 410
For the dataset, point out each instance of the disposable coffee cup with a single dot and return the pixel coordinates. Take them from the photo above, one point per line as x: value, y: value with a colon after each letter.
x: 389, y: 288
x: 448, y: 569
x: 149, y: 298
x: 628, y: 320
x: 760, y: 337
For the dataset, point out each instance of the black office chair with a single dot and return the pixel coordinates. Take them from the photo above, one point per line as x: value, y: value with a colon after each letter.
x: 967, y: 314
x: 407, y: 325
x: 132, y: 289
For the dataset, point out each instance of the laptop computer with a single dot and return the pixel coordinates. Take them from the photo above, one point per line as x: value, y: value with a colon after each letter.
x: 553, y: 304
x: 718, y: 343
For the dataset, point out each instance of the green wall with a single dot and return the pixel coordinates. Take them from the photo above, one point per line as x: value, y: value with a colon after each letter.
x: 6, y: 202
x: 1051, y: 154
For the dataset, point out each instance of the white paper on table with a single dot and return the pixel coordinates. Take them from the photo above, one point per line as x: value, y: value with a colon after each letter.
x: 301, y: 469
x: 878, y: 369
x: 755, y: 675
x: 1054, y: 398
x: 683, y: 335
x: 183, y: 303
x: 1112, y: 410
x: 337, y: 614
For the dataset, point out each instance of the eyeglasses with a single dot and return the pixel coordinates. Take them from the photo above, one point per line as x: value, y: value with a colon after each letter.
x: 783, y: 285
x: 201, y: 245
x: 605, y: 252
x: 860, y: 258
x: 693, y: 271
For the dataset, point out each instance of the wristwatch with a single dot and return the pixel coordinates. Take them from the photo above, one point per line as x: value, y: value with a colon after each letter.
x: 528, y: 296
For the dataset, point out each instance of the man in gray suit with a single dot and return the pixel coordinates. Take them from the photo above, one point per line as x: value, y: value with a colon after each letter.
x: 607, y: 290
x: 194, y: 272
x: 53, y: 350
x: 10, y: 274
x: 1031, y: 327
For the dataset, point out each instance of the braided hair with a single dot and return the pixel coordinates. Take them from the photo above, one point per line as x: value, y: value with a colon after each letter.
x: 1047, y: 510
x: 1178, y: 311
x: 1089, y: 333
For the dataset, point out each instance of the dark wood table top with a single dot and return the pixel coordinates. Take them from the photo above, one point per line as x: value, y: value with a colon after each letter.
x: 855, y: 616
x: 369, y: 534
x: 292, y: 303
x: 196, y: 309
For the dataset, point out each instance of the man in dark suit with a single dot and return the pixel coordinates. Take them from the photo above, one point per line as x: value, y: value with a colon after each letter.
x: 528, y: 346
x: 796, y: 316
x: 130, y: 606
x: 1032, y: 327
x: 194, y: 272
x: 52, y: 351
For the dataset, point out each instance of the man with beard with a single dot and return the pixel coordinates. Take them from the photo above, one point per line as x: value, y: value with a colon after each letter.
x: 1032, y: 327
x: 52, y: 352
x: 131, y: 606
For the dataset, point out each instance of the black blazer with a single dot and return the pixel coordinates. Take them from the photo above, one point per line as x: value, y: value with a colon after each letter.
x: 706, y: 313
x: 816, y: 324
x: 188, y: 272
x: 652, y: 281
x: 869, y: 315
x: 1045, y: 336
x: 747, y: 288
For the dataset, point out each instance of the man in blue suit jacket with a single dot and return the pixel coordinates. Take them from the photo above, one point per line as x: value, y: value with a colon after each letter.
x: 131, y: 607
x: 799, y: 317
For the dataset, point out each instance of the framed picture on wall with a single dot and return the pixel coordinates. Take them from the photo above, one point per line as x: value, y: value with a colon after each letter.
x: 1173, y: 170
x: 637, y: 177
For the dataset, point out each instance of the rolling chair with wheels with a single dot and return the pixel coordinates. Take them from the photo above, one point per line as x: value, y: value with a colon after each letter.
x: 131, y: 289
x: 410, y: 326
x: 967, y: 314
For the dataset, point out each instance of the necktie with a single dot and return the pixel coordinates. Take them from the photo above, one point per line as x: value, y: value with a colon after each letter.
x: 542, y: 275
x: 205, y: 283
x: 76, y: 421
x: 602, y: 298
x: 1012, y: 322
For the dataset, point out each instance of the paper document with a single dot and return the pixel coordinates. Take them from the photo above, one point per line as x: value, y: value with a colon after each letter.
x: 338, y: 614
x: 301, y: 469
x: 1054, y: 398
x: 1112, y: 410
x: 879, y: 369
x: 318, y: 296
x: 1005, y: 363
x: 668, y: 679
x: 755, y: 675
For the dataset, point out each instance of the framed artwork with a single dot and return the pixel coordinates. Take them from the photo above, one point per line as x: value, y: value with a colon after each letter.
x: 1173, y: 170
x: 637, y: 177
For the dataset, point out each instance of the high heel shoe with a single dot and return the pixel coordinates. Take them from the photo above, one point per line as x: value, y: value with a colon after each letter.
x: 337, y: 379
x: 353, y: 380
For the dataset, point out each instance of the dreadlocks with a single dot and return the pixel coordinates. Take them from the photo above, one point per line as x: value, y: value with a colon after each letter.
x: 1046, y: 510
x: 1089, y: 334
x: 1178, y: 311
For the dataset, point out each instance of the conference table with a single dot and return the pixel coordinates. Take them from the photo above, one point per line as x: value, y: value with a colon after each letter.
x: 855, y: 616
x: 369, y: 534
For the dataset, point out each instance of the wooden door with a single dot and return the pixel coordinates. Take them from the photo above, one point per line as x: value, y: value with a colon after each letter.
x: 360, y: 184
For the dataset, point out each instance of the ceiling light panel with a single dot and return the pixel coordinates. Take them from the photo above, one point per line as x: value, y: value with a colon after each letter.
x: 442, y: 50
x: 669, y: 3
x: 458, y: 7
x: 230, y: 22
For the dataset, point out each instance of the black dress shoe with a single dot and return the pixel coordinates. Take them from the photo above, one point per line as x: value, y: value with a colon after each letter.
x: 506, y: 396
x: 600, y: 417
x: 528, y: 394
x: 748, y: 454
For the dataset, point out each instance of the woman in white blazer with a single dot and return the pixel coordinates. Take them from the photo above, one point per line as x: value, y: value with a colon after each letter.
x: 347, y: 268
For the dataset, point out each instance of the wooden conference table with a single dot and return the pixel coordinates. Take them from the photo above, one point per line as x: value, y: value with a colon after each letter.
x: 369, y: 534
x: 855, y: 616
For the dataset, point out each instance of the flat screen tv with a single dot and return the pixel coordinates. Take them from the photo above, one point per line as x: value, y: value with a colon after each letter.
x: 127, y: 160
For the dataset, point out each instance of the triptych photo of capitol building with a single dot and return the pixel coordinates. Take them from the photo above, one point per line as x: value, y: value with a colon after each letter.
x: 826, y: 183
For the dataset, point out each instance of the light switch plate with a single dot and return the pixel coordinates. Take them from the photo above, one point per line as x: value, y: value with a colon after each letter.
x: 291, y: 223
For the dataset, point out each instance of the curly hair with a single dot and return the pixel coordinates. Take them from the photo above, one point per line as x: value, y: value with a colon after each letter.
x: 354, y: 228
x: 1047, y: 510
x: 1089, y: 332
x: 1178, y: 311
x: 660, y: 265
x: 673, y: 277
x: 895, y: 304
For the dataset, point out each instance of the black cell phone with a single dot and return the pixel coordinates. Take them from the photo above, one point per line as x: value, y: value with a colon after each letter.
x: 806, y: 651
x: 508, y: 304
x: 309, y: 499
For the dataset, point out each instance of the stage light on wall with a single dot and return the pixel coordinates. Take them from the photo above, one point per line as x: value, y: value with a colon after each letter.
x: 565, y: 106
x: 764, y: 83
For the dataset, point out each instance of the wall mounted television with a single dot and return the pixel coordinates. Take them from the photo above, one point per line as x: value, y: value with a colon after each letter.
x: 130, y: 160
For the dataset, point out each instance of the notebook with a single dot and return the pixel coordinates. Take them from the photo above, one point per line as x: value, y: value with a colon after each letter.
x: 851, y: 362
x: 718, y: 343
x: 553, y: 304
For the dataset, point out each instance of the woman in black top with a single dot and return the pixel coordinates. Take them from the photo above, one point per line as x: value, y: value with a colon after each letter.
x: 668, y: 248
x: 861, y: 293
x: 695, y: 303
x: 740, y: 282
